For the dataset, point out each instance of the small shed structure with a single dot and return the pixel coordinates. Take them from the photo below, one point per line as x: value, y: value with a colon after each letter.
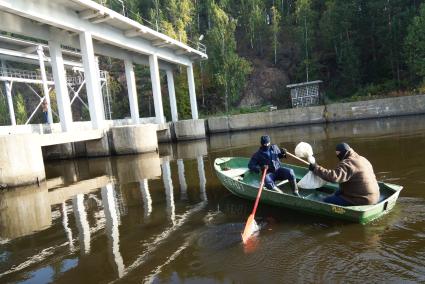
x: 305, y: 94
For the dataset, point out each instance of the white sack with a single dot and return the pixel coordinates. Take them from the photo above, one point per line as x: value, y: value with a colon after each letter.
x: 303, y: 150
x: 311, y: 181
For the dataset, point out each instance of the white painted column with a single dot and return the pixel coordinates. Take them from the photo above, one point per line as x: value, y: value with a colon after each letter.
x: 45, y: 86
x: 169, y: 194
x: 202, y: 178
x: 147, y: 199
x: 8, y: 87
x: 111, y: 227
x: 82, y: 223
x: 66, y: 227
x: 192, y: 92
x: 132, y: 91
x: 91, y: 75
x: 172, y: 94
x: 182, y: 179
x: 156, y: 88
x: 59, y: 76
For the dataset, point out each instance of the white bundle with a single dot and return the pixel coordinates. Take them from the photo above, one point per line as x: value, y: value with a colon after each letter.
x: 303, y: 150
x: 310, y: 180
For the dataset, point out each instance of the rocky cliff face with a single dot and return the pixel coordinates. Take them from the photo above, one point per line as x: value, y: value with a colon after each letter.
x: 265, y: 85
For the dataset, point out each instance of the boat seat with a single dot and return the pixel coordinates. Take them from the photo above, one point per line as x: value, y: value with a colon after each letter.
x: 233, y: 173
x: 282, y: 182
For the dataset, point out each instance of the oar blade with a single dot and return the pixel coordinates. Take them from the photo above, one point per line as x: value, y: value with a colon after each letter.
x: 250, y: 228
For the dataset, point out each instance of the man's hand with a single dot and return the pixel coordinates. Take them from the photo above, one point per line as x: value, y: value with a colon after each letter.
x: 264, y: 167
x: 283, y: 152
x: 311, y: 167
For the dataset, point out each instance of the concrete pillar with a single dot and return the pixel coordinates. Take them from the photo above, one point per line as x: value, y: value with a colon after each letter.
x: 91, y: 75
x: 8, y: 87
x: 202, y: 178
x: 82, y: 223
x: 132, y: 91
x: 172, y: 94
x: 65, y: 223
x: 134, y: 139
x: 111, y: 227
x: 156, y: 88
x: 192, y: 92
x: 45, y: 86
x: 21, y: 160
x: 62, y: 96
x: 147, y: 199
x: 182, y: 179
x: 169, y: 194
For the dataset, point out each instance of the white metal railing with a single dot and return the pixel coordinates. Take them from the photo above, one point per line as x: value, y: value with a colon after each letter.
x: 23, y: 74
x: 36, y: 76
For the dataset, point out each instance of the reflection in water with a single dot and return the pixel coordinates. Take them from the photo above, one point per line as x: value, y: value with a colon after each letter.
x: 202, y: 179
x: 182, y: 179
x: 65, y: 224
x: 112, y: 224
x: 24, y: 211
x: 168, y: 185
x: 147, y: 200
x: 82, y: 223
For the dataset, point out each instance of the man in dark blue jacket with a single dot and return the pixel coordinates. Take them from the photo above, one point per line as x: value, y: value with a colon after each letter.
x: 269, y: 155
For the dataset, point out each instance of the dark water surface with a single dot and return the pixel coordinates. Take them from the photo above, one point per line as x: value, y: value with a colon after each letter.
x: 165, y: 217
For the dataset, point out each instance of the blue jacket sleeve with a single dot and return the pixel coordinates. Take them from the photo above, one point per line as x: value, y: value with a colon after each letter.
x: 253, y: 164
x: 278, y: 152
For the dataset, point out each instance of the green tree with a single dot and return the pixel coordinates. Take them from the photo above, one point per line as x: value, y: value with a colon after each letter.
x: 20, y: 109
x: 227, y: 68
x: 4, y: 112
x: 339, y: 49
x: 275, y: 29
x: 415, y: 44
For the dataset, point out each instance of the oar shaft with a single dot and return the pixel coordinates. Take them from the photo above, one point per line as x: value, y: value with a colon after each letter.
x: 296, y: 158
x: 260, y: 189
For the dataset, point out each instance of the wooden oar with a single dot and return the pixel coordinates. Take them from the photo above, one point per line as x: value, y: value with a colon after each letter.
x: 299, y: 159
x: 249, y: 223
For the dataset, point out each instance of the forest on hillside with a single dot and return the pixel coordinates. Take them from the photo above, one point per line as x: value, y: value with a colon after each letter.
x: 360, y: 49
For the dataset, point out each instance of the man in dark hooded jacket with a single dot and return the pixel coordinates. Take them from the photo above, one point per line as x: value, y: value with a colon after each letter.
x: 354, y: 173
x: 269, y: 154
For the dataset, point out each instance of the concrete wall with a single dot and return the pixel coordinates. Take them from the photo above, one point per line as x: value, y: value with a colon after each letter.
x: 278, y: 118
x: 330, y: 113
x: 376, y: 108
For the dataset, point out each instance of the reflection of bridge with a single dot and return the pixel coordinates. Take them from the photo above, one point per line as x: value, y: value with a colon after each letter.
x: 107, y: 213
x: 68, y: 37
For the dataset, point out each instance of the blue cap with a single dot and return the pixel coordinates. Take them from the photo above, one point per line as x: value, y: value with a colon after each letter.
x: 342, y: 147
x: 265, y: 139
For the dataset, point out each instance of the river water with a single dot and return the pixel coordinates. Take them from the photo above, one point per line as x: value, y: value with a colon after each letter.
x: 165, y: 217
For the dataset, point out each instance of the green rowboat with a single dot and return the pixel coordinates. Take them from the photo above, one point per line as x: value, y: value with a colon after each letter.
x: 234, y: 174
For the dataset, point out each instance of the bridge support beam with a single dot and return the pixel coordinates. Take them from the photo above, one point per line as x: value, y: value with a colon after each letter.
x: 59, y: 76
x: 8, y: 87
x: 172, y: 95
x: 91, y: 75
x: 156, y: 88
x: 40, y: 54
x: 192, y: 92
x: 132, y: 91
